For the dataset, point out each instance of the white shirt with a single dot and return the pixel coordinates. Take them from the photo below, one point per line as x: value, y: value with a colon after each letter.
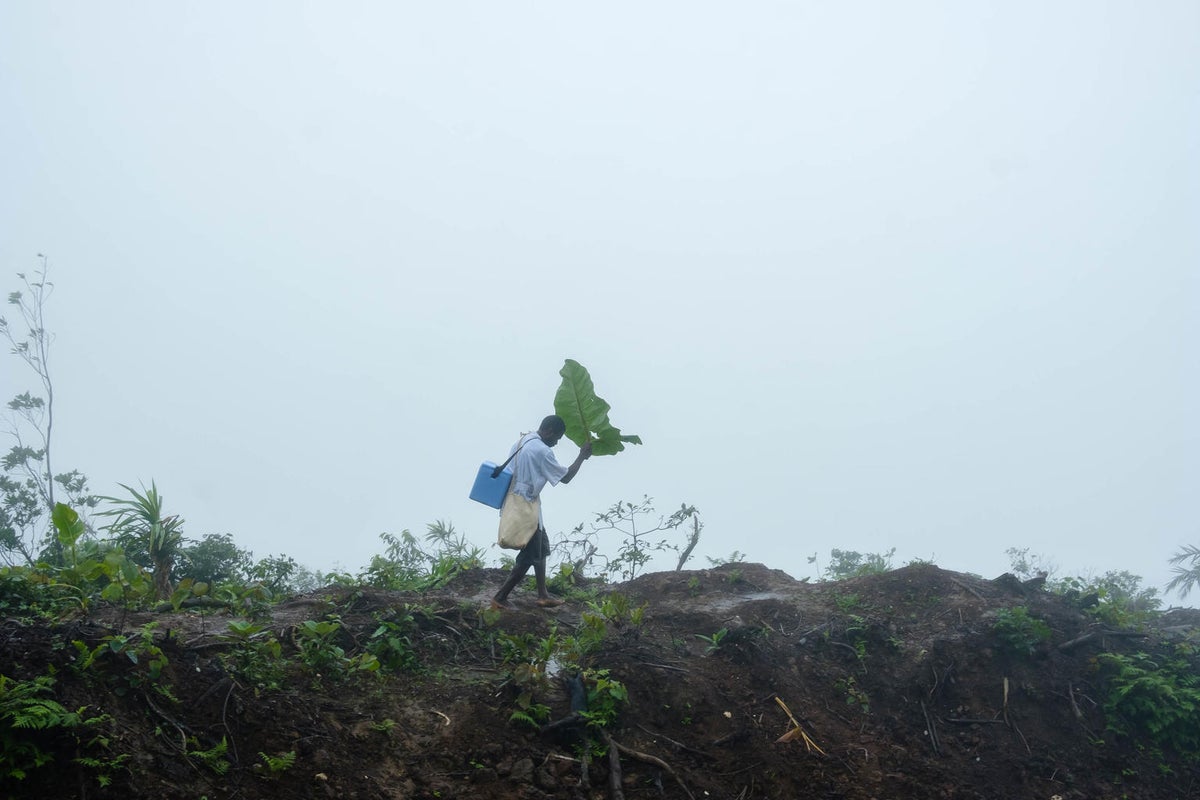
x: 534, y: 467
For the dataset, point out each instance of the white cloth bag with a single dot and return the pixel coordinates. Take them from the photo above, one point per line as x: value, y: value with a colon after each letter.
x: 518, y: 521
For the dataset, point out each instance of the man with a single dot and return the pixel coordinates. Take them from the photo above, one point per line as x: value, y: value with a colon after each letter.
x: 534, y: 467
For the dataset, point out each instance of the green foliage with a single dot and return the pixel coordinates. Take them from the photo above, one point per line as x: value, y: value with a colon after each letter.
x: 384, y: 726
x: 736, y: 557
x: 408, y: 565
x: 28, y: 483
x: 26, y: 594
x: 21, y: 512
x: 586, y: 414
x: 318, y: 649
x: 214, y: 560
x: 1026, y: 565
x: 527, y: 657
x: 69, y: 528
x: 856, y: 631
x: 1156, y: 698
x: 529, y: 713
x: 256, y: 657
x: 588, y: 638
x: 324, y: 658
x: 391, y: 643
x: 140, y: 527
x: 279, y: 763
x: 567, y: 582
x: 274, y: 573
x: 1116, y: 598
x: 1186, y: 568
x: 1019, y: 631
x: 852, y: 564
x: 616, y: 609
x: 636, y: 524
x: 847, y: 601
x: 146, y: 659
x: 605, y: 696
x: 23, y: 709
x: 854, y: 694
x: 215, y: 758
x: 714, y: 641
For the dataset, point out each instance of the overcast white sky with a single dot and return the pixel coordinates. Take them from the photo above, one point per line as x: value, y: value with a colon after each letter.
x: 862, y: 275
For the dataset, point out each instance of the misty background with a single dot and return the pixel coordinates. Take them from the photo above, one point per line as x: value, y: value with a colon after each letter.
x: 861, y: 275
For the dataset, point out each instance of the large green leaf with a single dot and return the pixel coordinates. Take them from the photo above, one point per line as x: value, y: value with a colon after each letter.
x: 68, y: 525
x: 586, y: 414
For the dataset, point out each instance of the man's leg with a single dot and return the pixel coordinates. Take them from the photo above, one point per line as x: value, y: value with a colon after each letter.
x: 518, y: 572
x: 539, y: 570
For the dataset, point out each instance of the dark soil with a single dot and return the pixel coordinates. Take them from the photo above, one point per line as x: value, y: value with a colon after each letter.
x: 899, y: 682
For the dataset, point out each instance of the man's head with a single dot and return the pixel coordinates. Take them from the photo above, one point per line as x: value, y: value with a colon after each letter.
x: 552, y: 429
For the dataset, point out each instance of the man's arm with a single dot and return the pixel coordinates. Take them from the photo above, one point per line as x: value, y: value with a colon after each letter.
x: 585, y: 453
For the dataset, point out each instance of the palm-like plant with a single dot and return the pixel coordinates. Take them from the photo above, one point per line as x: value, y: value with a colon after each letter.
x: 1186, y: 577
x: 139, y: 521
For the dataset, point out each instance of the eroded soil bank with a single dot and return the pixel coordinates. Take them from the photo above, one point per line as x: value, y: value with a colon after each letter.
x: 898, y: 686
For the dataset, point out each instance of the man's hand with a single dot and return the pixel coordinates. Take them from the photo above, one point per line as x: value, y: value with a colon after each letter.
x: 585, y: 453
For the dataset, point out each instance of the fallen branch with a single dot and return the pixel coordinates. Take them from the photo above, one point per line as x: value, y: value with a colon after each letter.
x: 796, y: 732
x: 1013, y: 725
x: 649, y: 759
x: 572, y: 722
x: 614, y: 767
x: 665, y: 666
x: 679, y: 745
x: 179, y: 726
x: 962, y: 585
x: 933, y: 734
x: 1074, y: 705
x: 1087, y: 637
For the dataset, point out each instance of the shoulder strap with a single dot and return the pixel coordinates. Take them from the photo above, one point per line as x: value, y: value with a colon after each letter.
x: 496, y: 472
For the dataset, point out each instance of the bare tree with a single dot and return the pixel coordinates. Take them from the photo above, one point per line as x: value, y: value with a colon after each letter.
x: 27, y: 486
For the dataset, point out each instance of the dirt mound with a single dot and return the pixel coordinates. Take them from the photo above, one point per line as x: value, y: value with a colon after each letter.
x: 742, y: 683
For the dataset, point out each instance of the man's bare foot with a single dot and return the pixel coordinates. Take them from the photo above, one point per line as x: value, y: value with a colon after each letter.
x: 500, y: 605
x: 547, y: 602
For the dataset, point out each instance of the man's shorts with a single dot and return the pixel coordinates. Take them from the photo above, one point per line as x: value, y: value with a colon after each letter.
x: 537, y: 550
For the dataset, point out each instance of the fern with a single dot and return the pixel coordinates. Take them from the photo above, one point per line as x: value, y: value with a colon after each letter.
x: 1160, y: 699
x: 525, y: 719
x: 280, y: 763
x: 22, y: 709
x: 214, y: 757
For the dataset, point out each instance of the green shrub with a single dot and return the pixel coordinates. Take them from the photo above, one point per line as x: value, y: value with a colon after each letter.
x: 1019, y: 631
x: 1158, y: 698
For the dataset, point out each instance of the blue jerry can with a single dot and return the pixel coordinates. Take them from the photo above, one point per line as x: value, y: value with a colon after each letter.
x: 488, y: 490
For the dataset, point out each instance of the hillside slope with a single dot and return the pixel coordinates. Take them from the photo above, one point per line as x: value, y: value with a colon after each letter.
x: 903, y: 685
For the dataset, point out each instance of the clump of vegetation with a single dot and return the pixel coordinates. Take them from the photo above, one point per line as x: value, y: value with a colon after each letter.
x: 713, y: 640
x: 1185, y: 565
x: 1019, y: 631
x: 1116, y: 598
x: 845, y: 564
x: 27, y: 715
x: 407, y: 564
x: 643, y: 534
x: 854, y: 694
x: 1158, y: 697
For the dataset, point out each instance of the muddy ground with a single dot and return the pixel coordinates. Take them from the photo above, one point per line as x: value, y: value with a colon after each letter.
x: 899, y: 685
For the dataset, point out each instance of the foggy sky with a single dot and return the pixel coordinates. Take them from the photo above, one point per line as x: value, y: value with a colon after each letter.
x: 869, y: 275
